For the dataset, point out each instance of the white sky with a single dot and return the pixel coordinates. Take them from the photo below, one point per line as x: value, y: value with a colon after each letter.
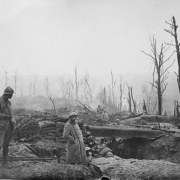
x: 48, y: 37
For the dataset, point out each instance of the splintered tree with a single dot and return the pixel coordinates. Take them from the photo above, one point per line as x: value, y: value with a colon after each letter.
x: 46, y: 86
x: 15, y: 78
x: 129, y: 98
x: 87, y: 89
x: 113, y: 83
x: 160, y: 74
x: 69, y: 87
x: 52, y: 100
x: 34, y: 86
x: 173, y: 32
x: 121, y: 90
x: 62, y: 85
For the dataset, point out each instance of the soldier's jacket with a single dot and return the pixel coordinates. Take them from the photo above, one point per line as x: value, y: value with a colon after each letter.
x: 6, y: 126
x: 5, y: 109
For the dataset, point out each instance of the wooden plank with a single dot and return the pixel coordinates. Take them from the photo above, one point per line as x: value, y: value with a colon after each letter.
x: 102, y: 131
x: 26, y: 159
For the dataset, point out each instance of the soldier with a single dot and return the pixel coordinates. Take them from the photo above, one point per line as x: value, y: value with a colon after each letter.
x: 105, y: 116
x: 6, y: 123
x: 99, y: 110
x: 76, y: 153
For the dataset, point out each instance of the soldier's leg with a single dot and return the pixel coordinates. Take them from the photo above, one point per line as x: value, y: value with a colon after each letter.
x: 7, y: 139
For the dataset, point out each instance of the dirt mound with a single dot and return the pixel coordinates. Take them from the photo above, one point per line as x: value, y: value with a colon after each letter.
x: 49, y: 170
x: 134, y: 169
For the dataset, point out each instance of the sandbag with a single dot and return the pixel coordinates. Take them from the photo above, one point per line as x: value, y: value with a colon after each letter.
x: 49, y: 137
x: 60, y: 125
x: 58, y: 134
x: 51, y: 134
x: 60, y: 130
x: 46, y: 124
x: 48, y: 129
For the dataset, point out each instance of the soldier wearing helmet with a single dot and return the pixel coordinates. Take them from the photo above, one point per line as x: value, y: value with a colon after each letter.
x: 76, y: 153
x: 6, y: 122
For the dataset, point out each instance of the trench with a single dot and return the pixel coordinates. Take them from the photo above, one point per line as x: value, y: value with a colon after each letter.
x: 129, y: 148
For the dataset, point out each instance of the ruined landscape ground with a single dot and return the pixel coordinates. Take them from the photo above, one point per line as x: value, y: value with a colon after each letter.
x: 41, y: 151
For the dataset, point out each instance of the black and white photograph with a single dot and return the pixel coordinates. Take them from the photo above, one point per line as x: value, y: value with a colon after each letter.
x: 90, y: 89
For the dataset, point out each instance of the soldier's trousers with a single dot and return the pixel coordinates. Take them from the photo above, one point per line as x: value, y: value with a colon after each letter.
x: 6, y: 141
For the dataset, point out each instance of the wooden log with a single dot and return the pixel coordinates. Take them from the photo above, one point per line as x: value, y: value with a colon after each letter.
x: 27, y: 159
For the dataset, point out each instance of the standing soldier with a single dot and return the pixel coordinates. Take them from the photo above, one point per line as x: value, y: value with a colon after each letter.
x: 76, y: 153
x: 6, y: 123
x: 99, y: 110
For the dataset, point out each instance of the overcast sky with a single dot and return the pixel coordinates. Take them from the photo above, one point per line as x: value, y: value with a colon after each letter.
x: 49, y: 37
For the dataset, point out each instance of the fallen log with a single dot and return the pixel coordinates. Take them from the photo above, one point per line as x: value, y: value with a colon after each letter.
x: 85, y: 106
x: 138, y: 115
x: 27, y: 159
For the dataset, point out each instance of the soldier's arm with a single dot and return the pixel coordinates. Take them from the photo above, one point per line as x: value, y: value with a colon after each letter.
x: 2, y: 116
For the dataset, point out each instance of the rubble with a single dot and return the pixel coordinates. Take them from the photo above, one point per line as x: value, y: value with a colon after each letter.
x: 42, y: 133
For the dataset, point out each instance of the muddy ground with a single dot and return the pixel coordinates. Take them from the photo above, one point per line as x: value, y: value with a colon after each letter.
x: 134, y: 158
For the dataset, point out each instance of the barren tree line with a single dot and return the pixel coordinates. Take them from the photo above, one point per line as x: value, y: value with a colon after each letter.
x: 112, y: 95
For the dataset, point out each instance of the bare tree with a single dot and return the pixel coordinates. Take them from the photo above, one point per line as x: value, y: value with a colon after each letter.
x: 70, y: 87
x: 62, y: 85
x: 21, y: 90
x: 105, y: 96
x: 46, y: 86
x: 30, y: 89
x: 34, y: 85
x: 173, y: 32
x: 15, y: 78
x: 87, y: 88
x: 121, y: 90
x: 159, y: 72
x: 134, y: 102
x: 110, y: 101
x: 113, y: 83
x: 52, y: 100
x: 129, y: 98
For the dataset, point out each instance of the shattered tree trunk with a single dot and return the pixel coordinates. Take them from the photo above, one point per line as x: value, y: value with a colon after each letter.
x: 113, y: 84
x: 121, y: 93
x: 129, y: 98
x: 159, y: 94
x: 105, y: 103
x: 144, y: 107
x: 134, y: 102
x: 174, y: 27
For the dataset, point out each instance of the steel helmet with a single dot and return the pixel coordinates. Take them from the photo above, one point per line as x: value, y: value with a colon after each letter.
x: 8, y: 90
x: 73, y: 114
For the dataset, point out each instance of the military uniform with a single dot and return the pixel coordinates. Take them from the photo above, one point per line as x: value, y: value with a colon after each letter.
x: 6, y: 122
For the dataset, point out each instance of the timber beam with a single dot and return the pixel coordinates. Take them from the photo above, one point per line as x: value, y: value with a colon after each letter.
x: 103, y: 131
